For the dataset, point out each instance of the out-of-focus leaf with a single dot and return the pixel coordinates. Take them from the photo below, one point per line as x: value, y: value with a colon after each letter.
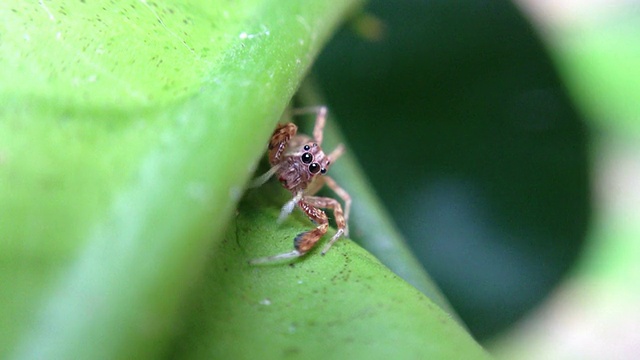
x: 127, y: 132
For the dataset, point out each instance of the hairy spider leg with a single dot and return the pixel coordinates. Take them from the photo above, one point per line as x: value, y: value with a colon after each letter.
x: 335, y: 154
x: 306, y: 240
x: 277, y: 145
x: 279, y: 141
x: 321, y: 117
x: 325, y: 203
x: 321, y: 181
x: 347, y: 204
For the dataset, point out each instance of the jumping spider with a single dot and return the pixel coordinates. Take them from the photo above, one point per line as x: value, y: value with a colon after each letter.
x: 297, y: 159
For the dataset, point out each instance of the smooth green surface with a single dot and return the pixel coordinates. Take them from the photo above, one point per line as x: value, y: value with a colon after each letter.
x: 345, y: 304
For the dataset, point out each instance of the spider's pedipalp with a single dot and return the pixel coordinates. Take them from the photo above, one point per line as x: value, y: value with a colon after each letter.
x: 288, y: 207
x: 260, y: 180
x: 269, y: 259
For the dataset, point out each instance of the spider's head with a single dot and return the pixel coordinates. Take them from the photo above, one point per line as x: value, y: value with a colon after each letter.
x: 314, y: 158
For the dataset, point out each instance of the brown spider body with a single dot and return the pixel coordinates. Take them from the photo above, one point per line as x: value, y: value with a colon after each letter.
x: 297, y: 160
x: 294, y: 172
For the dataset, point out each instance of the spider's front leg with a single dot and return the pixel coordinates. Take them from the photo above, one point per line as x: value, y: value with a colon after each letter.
x: 277, y: 145
x: 306, y: 240
x: 279, y: 141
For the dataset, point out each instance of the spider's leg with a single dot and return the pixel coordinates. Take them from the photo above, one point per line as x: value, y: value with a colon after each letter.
x: 333, y: 204
x: 321, y: 117
x: 306, y: 240
x: 336, y: 153
x: 345, y: 197
x: 279, y: 141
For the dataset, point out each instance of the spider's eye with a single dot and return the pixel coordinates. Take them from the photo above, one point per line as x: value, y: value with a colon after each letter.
x: 306, y: 148
x: 314, y: 168
x: 323, y: 171
x: 307, y: 158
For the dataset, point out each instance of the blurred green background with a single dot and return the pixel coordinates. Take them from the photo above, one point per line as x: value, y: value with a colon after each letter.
x: 480, y: 125
x: 463, y: 125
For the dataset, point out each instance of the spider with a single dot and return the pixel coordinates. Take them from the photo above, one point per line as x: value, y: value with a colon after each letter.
x: 297, y: 160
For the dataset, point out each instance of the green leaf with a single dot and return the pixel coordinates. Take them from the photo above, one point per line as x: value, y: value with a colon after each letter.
x: 342, y: 305
x: 127, y: 134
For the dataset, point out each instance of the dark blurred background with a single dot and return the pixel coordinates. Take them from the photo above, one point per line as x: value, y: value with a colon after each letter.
x: 469, y: 137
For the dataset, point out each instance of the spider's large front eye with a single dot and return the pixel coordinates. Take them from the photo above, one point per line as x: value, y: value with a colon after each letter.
x: 307, y: 158
x: 314, y: 168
